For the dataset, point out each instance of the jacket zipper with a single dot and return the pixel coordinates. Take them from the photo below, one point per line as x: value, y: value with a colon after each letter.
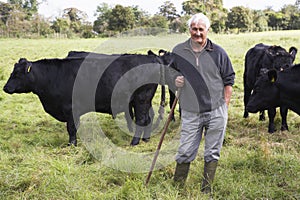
x: 196, y: 57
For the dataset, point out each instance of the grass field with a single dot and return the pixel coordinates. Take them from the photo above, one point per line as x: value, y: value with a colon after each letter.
x: 35, y: 162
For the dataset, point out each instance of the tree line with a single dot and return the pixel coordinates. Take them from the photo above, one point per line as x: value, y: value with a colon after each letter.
x: 20, y: 18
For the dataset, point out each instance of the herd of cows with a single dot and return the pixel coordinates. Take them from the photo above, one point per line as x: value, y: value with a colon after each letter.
x: 86, y: 82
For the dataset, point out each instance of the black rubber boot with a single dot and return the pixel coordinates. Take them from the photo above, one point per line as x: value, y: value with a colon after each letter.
x: 181, y: 173
x: 208, y: 176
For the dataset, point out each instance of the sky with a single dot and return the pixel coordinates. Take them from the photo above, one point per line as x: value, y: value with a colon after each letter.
x: 54, y: 8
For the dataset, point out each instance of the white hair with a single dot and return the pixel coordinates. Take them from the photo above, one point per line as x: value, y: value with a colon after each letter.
x: 199, y: 17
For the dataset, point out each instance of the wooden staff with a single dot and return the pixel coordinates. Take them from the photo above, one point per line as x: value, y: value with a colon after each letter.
x: 163, y: 135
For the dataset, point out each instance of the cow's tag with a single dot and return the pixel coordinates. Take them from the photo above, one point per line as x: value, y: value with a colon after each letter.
x: 29, y: 69
x: 273, y: 80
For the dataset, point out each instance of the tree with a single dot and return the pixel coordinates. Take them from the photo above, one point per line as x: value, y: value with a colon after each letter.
x: 260, y: 21
x: 5, y: 11
x: 40, y: 26
x: 218, y: 20
x: 121, y: 19
x: 239, y: 18
x: 191, y: 7
x: 17, y: 25
x: 101, y: 23
x: 30, y: 7
x: 168, y: 10
x: 291, y: 17
x: 275, y: 19
x: 158, y: 21
x: 75, y: 15
x: 61, y: 25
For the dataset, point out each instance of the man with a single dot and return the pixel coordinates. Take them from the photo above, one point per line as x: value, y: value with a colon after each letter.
x: 205, y: 91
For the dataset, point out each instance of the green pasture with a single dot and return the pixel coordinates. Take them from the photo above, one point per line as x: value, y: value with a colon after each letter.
x: 36, y: 163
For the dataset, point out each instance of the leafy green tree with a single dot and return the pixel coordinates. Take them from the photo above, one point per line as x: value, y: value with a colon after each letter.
x: 30, y: 7
x: 61, y: 25
x: 291, y: 17
x: 260, y: 21
x: 158, y: 21
x: 168, y: 10
x: 191, y: 7
x: 87, y: 31
x: 101, y: 23
x: 41, y: 26
x: 218, y: 20
x: 141, y: 17
x: 275, y: 19
x: 121, y: 19
x: 5, y: 10
x: 76, y: 17
x: 17, y: 25
x: 239, y: 18
x: 180, y: 24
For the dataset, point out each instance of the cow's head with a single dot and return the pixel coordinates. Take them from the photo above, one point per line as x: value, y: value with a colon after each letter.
x: 265, y: 93
x: 167, y: 60
x: 19, y: 80
x: 281, y: 59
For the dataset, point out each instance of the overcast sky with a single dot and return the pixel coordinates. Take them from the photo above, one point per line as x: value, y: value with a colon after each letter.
x: 54, y: 8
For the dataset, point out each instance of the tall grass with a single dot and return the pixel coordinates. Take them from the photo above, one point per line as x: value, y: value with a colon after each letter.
x: 36, y: 164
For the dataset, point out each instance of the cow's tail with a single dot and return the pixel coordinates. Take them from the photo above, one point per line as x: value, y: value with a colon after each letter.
x: 161, y: 110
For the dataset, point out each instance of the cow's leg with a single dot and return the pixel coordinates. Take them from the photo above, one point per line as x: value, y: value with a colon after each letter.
x: 283, y: 113
x: 271, y: 114
x: 247, y: 93
x: 138, y: 125
x: 71, y: 127
x: 148, y: 127
x: 129, y: 117
x: 137, y: 135
x: 141, y: 112
x: 262, y: 116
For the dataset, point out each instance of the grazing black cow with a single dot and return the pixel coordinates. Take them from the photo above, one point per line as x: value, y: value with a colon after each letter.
x: 260, y: 58
x: 142, y: 93
x: 277, y: 88
x: 71, y: 87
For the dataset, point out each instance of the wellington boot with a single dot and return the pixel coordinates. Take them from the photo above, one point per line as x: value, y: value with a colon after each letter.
x: 181, y: 173
x: 208, y: 176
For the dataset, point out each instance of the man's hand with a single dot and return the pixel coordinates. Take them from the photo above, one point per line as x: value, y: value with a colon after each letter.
x: 179, y: 81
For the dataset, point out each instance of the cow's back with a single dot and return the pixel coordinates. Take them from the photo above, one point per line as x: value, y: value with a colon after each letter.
x: 254, y: 61
x: 54, y: 80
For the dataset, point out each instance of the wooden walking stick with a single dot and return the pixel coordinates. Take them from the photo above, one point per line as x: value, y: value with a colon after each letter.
x: 163, y: 135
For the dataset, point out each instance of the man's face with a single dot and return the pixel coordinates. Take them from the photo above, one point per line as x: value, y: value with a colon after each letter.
x: 198, y: 32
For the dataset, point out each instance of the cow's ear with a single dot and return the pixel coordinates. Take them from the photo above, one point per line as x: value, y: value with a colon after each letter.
x: 150, y: 53
x: 22, y: 60
x: 162, y: 52
x: 293, y: 52
x: 272, y: 75
x: 27, y: 64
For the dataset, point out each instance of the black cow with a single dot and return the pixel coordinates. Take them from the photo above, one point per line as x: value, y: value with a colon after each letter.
x: 261, y: 58
x: 277, y: 88
x: 71, y: 87
x: 142, y: 93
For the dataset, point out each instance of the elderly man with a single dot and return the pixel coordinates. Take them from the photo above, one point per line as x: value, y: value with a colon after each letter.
x: 206, y: 83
